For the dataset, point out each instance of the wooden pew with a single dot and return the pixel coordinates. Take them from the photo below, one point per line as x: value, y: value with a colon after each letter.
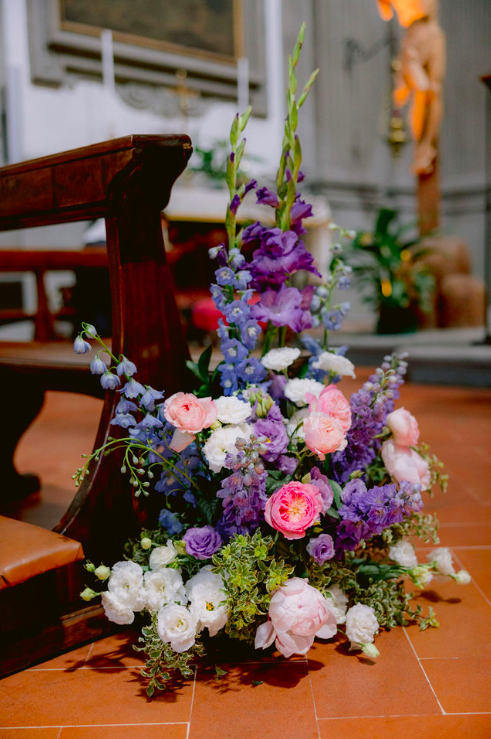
x: 128, y: 182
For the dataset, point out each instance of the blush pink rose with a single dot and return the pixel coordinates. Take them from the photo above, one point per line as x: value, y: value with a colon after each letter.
x: 189, y: 415
x: 404, y: 464
x: 404, y: 427
x: 332, y: 402
x: 293, y: 508
x: 323, y: 434
x: 297, y: 614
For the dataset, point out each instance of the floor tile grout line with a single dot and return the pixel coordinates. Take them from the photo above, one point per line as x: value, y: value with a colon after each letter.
x: 402, y: 715
x: 473, y: 582
x: 98, y: 726
x: 58, y: 734
x: 88, y: 654
x: 313, y: 702
x: 423, y: 671
x: 192, y: 702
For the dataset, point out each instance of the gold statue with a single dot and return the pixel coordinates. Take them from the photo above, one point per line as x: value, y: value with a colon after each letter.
x: 420, y: 69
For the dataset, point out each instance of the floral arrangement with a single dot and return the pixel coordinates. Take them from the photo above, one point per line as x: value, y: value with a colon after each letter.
x: 287, y: 509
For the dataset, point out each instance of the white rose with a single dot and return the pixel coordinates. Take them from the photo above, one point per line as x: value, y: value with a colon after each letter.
x: 205, y: 591
x: 222, y: 442
x: 442, y: 559
x: 162, y: 556
x: 337, y: 602
x: 361, y: 624
x: 163, y: 586
x: 335, y: 363
x: 279, y: 359
x: 295, y: 390
x: 116, y: 611
x: 232, y: 410
x: 294, y: 427
x: 402, y: 552
x: 126, y: 585
x: 177, y: 625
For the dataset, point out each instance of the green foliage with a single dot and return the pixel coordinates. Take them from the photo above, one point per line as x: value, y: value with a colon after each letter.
x: 437, y: 474
x: 391, y: 266
x: 252, y: 573
x: 164, y: 667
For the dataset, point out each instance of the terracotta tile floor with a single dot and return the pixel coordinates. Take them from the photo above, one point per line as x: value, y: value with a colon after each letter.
x: 434, y: 684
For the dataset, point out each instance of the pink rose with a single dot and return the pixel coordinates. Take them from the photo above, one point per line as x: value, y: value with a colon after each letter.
x: 297, y: 614
x: 323, y: 434
x: 404, y: 464
x: 293, y: 508
x: 189, y: 415
x: 332, y: 402
x: 404, y: 427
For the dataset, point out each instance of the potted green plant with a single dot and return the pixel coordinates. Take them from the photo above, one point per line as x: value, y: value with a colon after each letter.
x: 401, y: 285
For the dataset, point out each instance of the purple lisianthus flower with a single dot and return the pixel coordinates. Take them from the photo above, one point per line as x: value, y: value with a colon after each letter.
x: 349, y: 534
x: 276, y: 437
x: 110, y: 381
x: 277, y: 387
x: 234, y: 205
x: 225, y: 276
x: 282, y: 308
x: 321, y: 548
x: 234, y: 351
x: 202, y: 542
x: 251, y: 370
x: 286, y: 464
x: 322, y: 483
x: 267, y: 197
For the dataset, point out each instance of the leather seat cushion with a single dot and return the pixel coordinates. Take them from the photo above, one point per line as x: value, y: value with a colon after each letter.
x: 27, y: 550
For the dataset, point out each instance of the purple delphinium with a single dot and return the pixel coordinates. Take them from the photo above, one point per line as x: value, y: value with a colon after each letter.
x: 369, y: 409
x: 243, y: 492
x: 170, y: 522
x: 202, y: 542
x: 321, y: 548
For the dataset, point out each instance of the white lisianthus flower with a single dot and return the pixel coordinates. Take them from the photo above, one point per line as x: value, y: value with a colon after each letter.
x: 222, y: 442
x: 462, y: 577
x: 279, y: 359
x: 402, y: 552
x: 361, y: 625
x: 177, y: 625
x: 294, y: 427
x: 421, y: 576
x: 296, y: 390
x: 115, y: 611
x: 337, y: 602
x: 335, y: 363
x: 162, y: 556
x: 126, y: 585
x: 205, y: 591
x: 163, y: 586
x: 232, y: 410
x: 441, y: 558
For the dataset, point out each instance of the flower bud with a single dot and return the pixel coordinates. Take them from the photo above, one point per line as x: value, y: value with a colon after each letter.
x: 462, y: 577
x: 215, y: 425
x: 146, y: 543
x: 102, y: 572
x: 88, y: 594
x: 370, y: 650
x: 90, y: 330
x: 180, y: 547
x: 89, y: 566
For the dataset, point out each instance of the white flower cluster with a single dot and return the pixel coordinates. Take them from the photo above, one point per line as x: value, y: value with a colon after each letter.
x: 361, y: 626
x: 297, y: 389
x: 402, y: 552
x: 232, y: 410
x: 335, y: 363
x: 183, y: 610
x: 279, y: 359
x: 222, y: 442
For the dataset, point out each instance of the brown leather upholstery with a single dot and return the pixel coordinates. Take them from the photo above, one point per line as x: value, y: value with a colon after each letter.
x: 27, y: 550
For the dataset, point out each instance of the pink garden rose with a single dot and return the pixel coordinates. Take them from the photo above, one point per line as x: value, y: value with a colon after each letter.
x: 332, y: 402
x: 189, y: 415
x: 297, y: 614
x: 404, y: 427
x: 293, y: 508
x: 404, y: 464
x: 323, y: 434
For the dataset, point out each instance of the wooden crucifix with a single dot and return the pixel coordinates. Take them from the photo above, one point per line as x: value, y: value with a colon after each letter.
x: 420, y: 69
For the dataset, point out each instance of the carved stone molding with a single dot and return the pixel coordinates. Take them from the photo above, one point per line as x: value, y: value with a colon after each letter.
x: 160, y: 100
x: 58, y: 55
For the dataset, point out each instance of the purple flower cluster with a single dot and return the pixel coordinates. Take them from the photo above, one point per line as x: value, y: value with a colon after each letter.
x: 368, y: 512
x: 243, y: 492
x: 272, y: 433
x: 369, y: 409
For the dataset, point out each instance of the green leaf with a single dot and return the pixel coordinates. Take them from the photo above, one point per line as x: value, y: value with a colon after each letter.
x: 337, y: 490
x: 257, y: 682
x: 194, y: 368
x: 204, y: 363
x: 307, y: 88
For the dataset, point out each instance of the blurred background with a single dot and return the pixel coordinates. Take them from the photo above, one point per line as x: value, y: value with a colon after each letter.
x: 75, y: 72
